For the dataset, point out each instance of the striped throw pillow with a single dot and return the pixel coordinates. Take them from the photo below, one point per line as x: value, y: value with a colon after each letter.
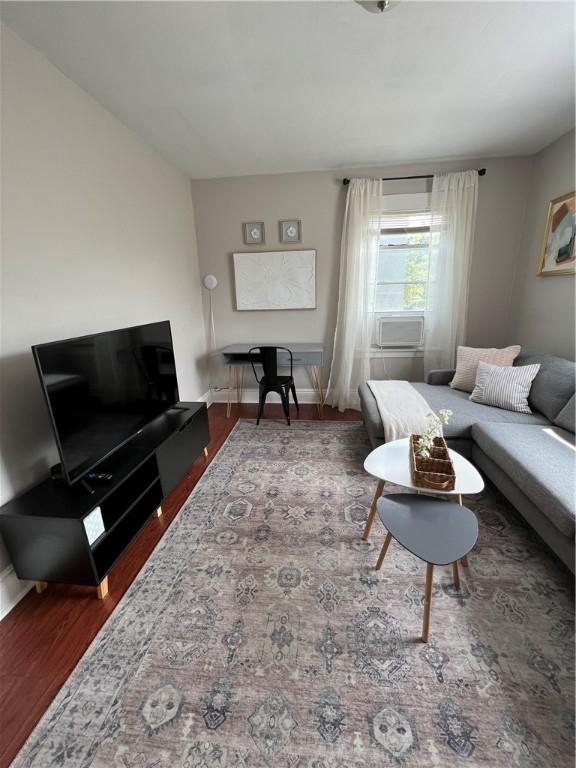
x: 504, y: 387
x: 467, y: 359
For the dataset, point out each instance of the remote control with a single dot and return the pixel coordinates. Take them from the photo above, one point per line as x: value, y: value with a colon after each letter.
x: 102, y: 477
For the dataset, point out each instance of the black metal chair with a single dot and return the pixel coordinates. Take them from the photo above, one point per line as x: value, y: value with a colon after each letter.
x: 267, y: 357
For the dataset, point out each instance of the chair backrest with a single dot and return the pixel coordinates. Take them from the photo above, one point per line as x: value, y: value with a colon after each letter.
x: 156, y: 360
x: 267, y: 357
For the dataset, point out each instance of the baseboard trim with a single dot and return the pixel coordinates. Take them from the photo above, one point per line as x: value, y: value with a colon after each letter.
x: 206, y: 398
x: 251, y: 396
x: 12, y: 590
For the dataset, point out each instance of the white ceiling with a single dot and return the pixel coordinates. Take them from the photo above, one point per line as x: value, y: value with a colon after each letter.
x: 234, y: 88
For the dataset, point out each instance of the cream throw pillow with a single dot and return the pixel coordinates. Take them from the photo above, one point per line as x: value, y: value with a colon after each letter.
x: 467, y: 359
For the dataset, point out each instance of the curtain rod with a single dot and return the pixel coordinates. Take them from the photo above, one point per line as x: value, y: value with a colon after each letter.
x: 481, y: 172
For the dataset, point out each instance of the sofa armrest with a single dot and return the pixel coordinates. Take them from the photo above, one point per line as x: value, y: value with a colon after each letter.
x: 441, y: 376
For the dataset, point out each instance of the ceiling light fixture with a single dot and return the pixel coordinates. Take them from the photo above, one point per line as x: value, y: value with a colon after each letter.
x: 377, y: 6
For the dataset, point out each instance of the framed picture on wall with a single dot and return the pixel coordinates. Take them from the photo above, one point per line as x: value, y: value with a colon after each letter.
x: 290, y: 231
x: 557, y: 256
x: 253, y: 232
x: 275, y: 280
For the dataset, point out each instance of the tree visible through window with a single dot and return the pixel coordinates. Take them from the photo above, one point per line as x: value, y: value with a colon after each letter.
x: 403, y: 265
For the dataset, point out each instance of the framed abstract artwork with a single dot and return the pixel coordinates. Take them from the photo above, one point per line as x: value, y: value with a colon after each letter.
x: 275, y: 280
x: 557, y: 256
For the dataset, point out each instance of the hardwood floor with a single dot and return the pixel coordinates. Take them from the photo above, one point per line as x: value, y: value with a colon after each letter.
x: 44, y: 636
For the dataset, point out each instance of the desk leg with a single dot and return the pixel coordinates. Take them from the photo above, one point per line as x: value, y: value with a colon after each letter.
x: 370, y: 520
x: 239, y: 383
x: 229, y: 403
x: 315, y: 374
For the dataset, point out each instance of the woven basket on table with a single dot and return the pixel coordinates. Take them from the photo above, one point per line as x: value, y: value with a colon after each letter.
x: 436, y: 472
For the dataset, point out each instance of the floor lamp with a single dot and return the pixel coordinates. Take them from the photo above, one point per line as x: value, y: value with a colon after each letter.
x: 210, y: 282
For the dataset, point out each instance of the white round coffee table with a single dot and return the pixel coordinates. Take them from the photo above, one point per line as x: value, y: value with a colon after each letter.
x: 390, y: 463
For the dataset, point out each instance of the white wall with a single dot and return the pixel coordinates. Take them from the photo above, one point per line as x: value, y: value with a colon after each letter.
x: 317, y: 198
x: 542, y: 316
x: 98, y: 233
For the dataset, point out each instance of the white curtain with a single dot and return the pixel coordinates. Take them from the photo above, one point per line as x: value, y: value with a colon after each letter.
x: 354, y: 325
x: 453, y: 215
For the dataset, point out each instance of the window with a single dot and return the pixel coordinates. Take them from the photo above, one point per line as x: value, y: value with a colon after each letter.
x: 403, y: 264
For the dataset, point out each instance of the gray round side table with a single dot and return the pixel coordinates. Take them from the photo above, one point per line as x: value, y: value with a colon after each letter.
x: 434, y: 530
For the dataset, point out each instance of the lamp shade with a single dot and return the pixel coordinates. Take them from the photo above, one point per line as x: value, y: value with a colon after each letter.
x: 210, y: 282
x: 377, y: 6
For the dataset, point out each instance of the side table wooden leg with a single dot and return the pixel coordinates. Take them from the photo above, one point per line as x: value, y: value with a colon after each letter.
x: 370, y: 520
x: 463, y: 560
x: 102, y: 588
x: 455, y: 574
x: 41, y: 586
x: 427, y: 601
x: 383, y: 551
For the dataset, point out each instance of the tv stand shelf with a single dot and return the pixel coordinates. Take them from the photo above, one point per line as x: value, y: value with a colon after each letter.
x: 67, y: 535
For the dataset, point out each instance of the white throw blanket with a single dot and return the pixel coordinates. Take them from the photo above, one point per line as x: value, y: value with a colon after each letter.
x: 402, y: 408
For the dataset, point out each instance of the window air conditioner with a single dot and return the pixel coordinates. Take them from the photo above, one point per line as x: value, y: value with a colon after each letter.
x: 404, y: 332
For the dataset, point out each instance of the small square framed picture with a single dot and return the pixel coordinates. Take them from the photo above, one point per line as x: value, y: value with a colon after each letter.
x: 290, y: 231
x: 253, y: 232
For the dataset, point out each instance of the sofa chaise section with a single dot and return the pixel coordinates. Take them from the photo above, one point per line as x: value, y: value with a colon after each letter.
x: 529, y: 457
x: 534, y: 468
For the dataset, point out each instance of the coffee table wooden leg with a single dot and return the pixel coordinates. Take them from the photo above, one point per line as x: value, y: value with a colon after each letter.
x: 463, y: 560
x: 383, y: 551
x: 427, y: 601
x: 455, y: 574
x: 368, y: 526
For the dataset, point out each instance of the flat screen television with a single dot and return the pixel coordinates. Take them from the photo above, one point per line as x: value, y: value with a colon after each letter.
x: 102, y: 389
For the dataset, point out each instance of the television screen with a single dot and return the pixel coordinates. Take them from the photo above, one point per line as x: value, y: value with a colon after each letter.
x: 102, y: 389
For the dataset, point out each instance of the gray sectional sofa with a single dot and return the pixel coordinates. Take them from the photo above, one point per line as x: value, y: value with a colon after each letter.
x: 529, y: 457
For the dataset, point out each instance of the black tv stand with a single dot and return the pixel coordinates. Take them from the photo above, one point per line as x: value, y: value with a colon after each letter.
x: 62, y: 534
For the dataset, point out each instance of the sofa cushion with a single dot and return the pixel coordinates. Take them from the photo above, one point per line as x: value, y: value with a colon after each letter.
x: 504, y: 386
x: 467, y: 359
x: 554, y: 384
x: 465, y: 413
x: 567, y: 416
x: 540, y: 461
x: 370, y: 412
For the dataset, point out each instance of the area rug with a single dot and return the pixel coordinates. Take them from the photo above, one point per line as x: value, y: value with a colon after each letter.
x: 259, y: 635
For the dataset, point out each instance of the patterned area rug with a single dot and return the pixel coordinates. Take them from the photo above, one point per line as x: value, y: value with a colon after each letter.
x: 260, y: 636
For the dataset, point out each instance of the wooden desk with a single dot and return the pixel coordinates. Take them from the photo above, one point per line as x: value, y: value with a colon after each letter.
x: 310, y: 356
